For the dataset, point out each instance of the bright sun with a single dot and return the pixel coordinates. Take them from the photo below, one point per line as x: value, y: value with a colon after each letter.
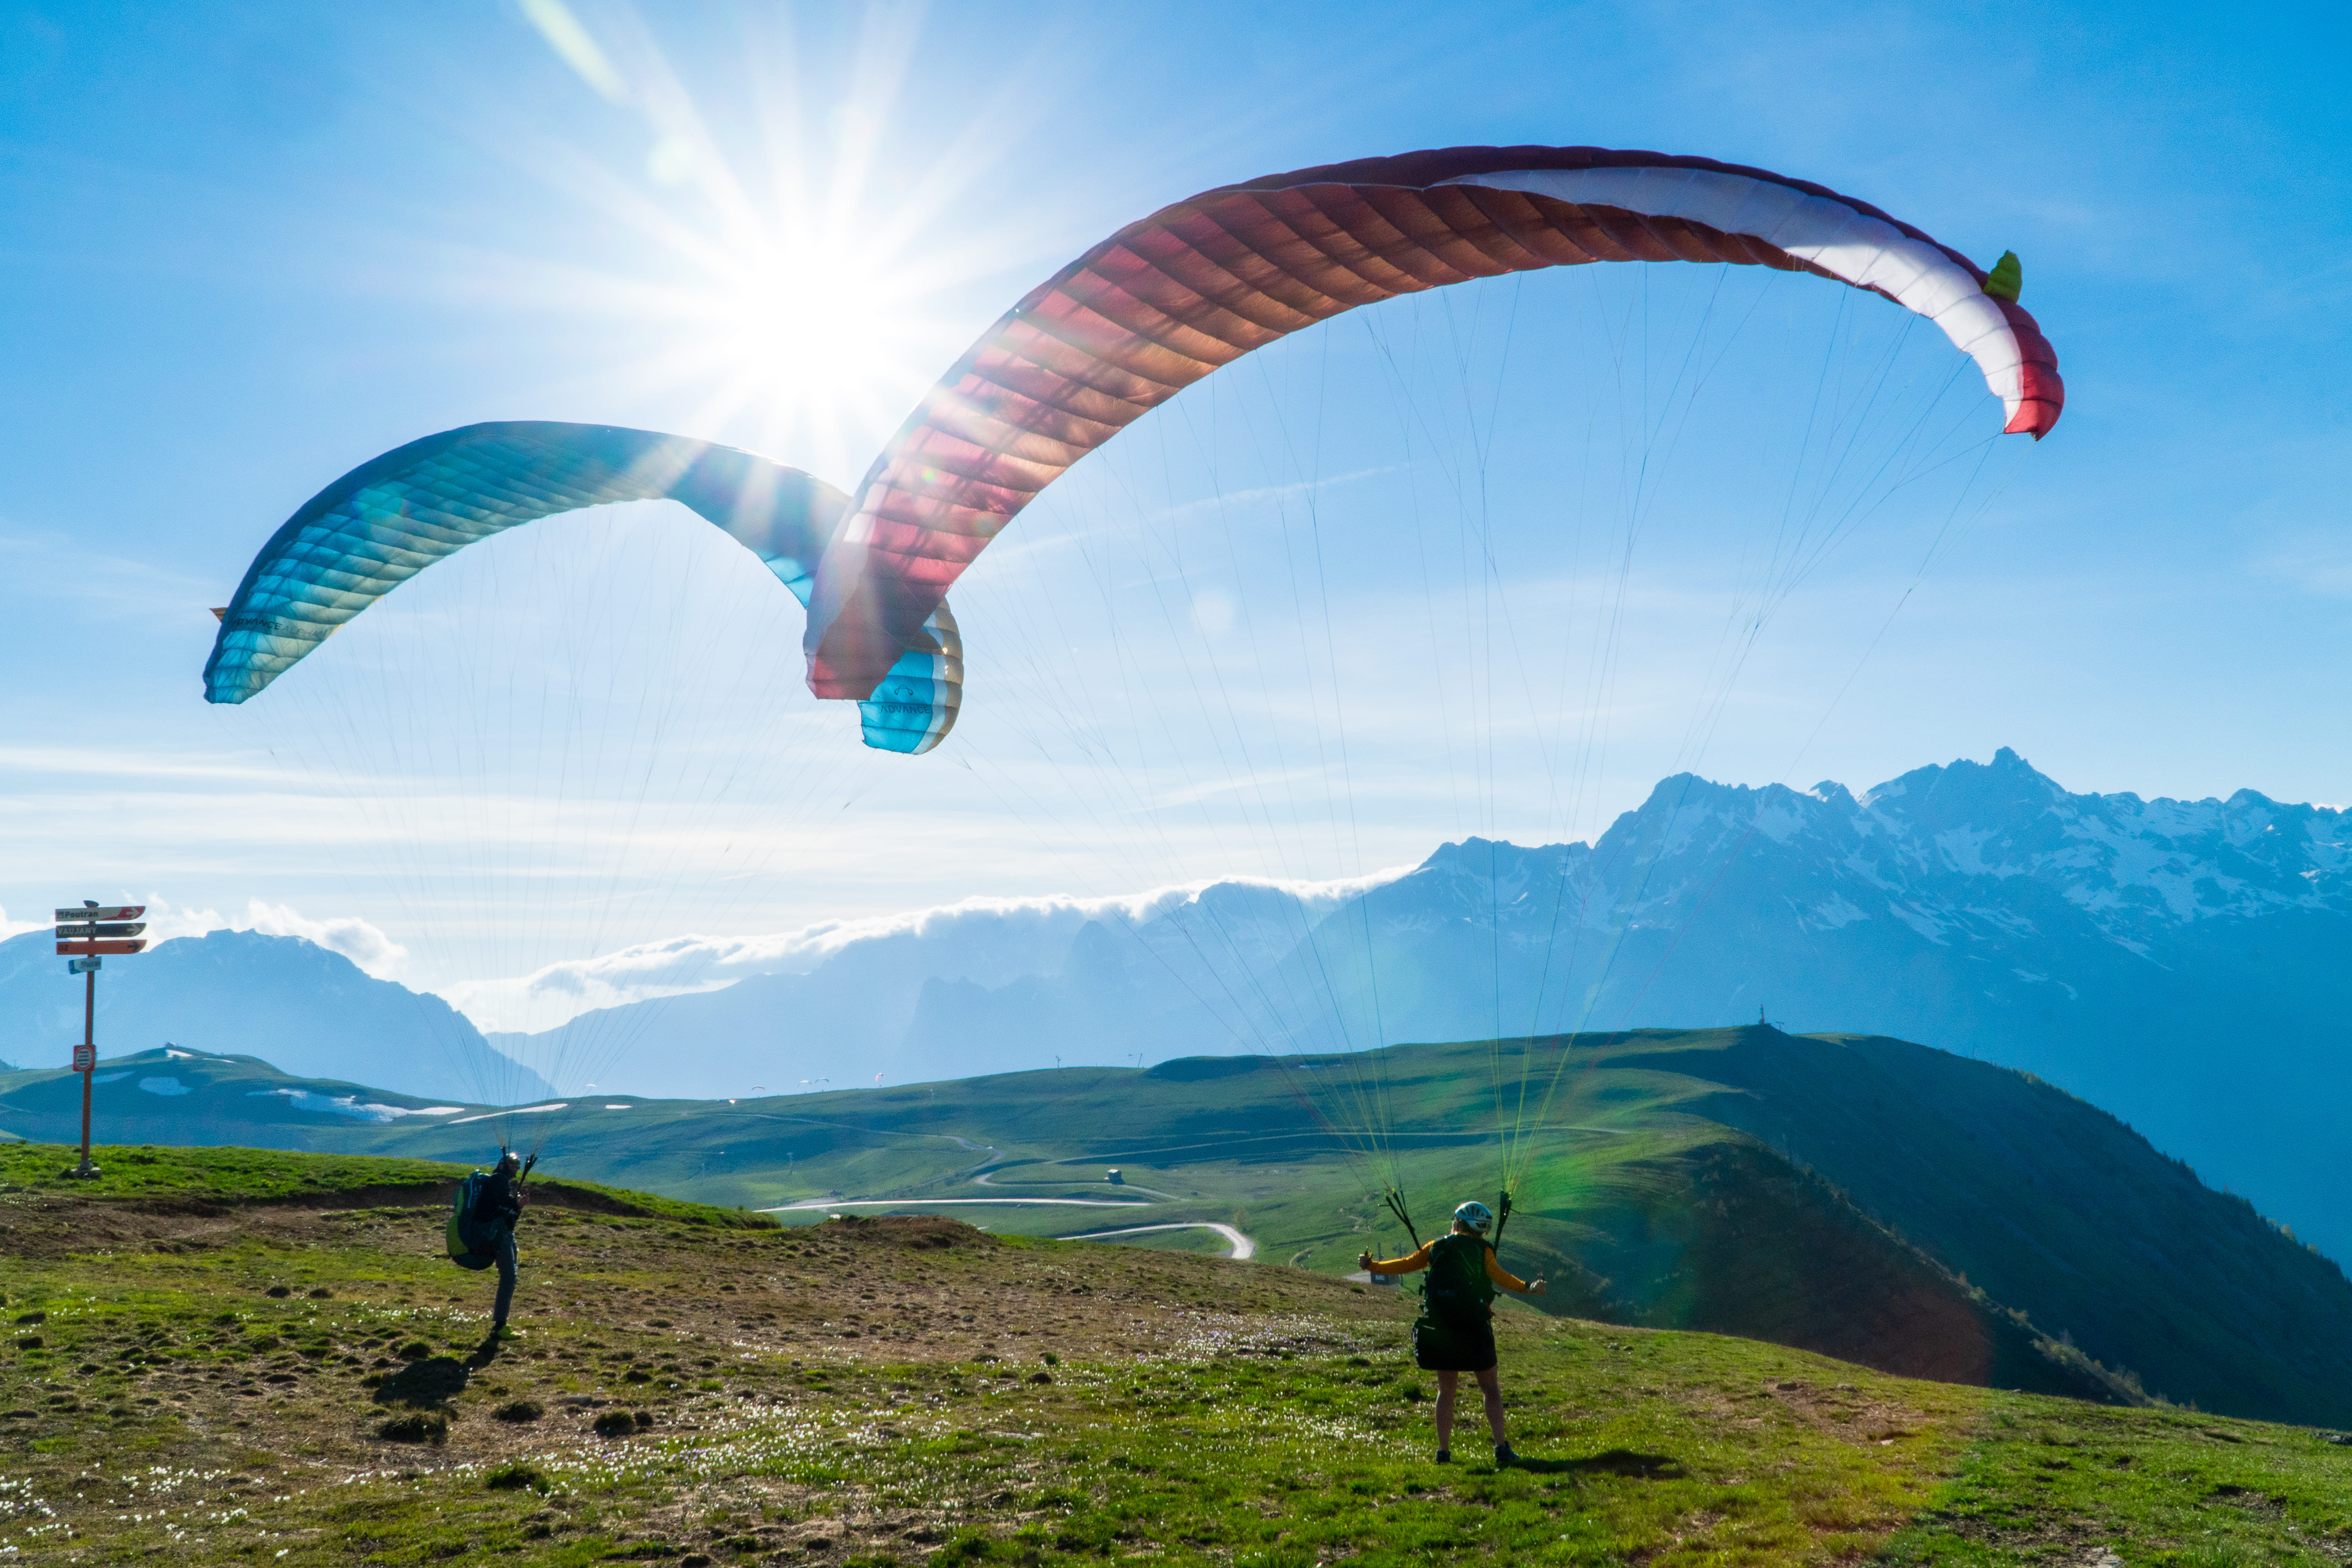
x: 792, y: 298
x: 812, y: 314
x: 818, y: 334
x: 811, y: 351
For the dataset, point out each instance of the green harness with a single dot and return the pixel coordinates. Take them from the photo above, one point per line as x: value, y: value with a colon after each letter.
x: 461, y: 1232
x: 1457, y: 1292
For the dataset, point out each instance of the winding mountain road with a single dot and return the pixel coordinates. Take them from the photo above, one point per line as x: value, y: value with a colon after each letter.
x: 1240, y: 1245
x: 935, y: 1203
x: 982, y: 1179
x: 1243, y: 1247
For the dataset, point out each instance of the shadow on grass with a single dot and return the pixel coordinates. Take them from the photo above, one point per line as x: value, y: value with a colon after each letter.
x: 424, y: 1384
x: 1613, y: 1462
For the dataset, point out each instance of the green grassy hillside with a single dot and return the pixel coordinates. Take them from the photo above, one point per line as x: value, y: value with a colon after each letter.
x: 2050, y: 1204
x: 306, y: 1382
x: 1866, y: 1198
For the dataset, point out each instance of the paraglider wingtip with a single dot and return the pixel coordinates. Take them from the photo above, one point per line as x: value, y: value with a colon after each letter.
x: 220, y: 612
x: 2035, y: 417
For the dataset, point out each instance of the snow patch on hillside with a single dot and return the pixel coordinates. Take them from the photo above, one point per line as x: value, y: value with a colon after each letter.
x: 351, y: 1105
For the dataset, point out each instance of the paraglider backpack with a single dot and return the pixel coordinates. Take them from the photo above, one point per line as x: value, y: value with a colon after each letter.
x: 461, y: 1224
x: 1457, y: 1292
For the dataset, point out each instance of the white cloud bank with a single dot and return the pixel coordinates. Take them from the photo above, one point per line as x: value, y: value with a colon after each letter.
x: 990, y: 940
x: 362, y: 941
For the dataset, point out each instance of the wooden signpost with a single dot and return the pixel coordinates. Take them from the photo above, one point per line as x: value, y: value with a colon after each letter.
x: 89, y: 936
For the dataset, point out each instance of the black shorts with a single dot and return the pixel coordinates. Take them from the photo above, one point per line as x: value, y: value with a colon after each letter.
x: 1452, y: 1347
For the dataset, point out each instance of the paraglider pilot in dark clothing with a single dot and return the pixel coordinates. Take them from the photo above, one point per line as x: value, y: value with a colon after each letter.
x: 1455, y: 1333
x: 496, y: 1209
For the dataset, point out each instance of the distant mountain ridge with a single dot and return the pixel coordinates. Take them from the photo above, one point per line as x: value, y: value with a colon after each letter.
x: 242, y: 993
x: 2172, y: 960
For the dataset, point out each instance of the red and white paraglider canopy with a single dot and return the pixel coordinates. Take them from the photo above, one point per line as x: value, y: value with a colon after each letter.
x: 1195, y: 286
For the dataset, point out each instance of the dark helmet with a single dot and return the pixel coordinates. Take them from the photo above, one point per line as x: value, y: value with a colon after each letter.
x: 509, y: 1160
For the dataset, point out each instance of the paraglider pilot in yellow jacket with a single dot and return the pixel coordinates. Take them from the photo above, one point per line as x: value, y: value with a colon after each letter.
x: 1455, y: 1333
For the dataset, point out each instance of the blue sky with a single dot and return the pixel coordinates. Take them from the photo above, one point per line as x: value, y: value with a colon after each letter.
x: 246, y: 247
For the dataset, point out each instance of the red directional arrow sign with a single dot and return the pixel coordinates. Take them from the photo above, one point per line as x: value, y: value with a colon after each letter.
x: 101, y: 912
x: 97, y: 949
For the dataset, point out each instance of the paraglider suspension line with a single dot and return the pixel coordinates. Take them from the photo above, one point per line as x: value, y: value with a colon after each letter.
x: 1502, y: 1214
x: 1395, y: 1199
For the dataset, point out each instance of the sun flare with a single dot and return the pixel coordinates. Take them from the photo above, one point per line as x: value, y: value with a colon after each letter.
x: 788, y: 287
x: 815, y: 327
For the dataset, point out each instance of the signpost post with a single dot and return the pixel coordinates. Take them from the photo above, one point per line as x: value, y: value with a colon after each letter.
x: 88, y: 936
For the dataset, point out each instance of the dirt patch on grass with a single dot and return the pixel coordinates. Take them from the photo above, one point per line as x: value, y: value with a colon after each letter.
x: 917, y: 1232
x: 48, y: 1227
x: 921, y: 1288
x: 2050, y: 1536
x: 1848, y: 1412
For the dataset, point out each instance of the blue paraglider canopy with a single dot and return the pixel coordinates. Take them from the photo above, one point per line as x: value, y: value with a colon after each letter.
x: 389, y: 519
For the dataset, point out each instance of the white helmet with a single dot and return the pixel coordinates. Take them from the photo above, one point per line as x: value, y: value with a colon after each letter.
x: 1476, y: 1215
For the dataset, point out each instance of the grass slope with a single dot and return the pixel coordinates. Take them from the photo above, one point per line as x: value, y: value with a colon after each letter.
x: 1869, y: 1199
x: 219, y: 1388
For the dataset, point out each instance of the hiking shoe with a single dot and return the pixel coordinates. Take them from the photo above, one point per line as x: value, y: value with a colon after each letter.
x: 1504, y: 1456
x: 1445, y: 1456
